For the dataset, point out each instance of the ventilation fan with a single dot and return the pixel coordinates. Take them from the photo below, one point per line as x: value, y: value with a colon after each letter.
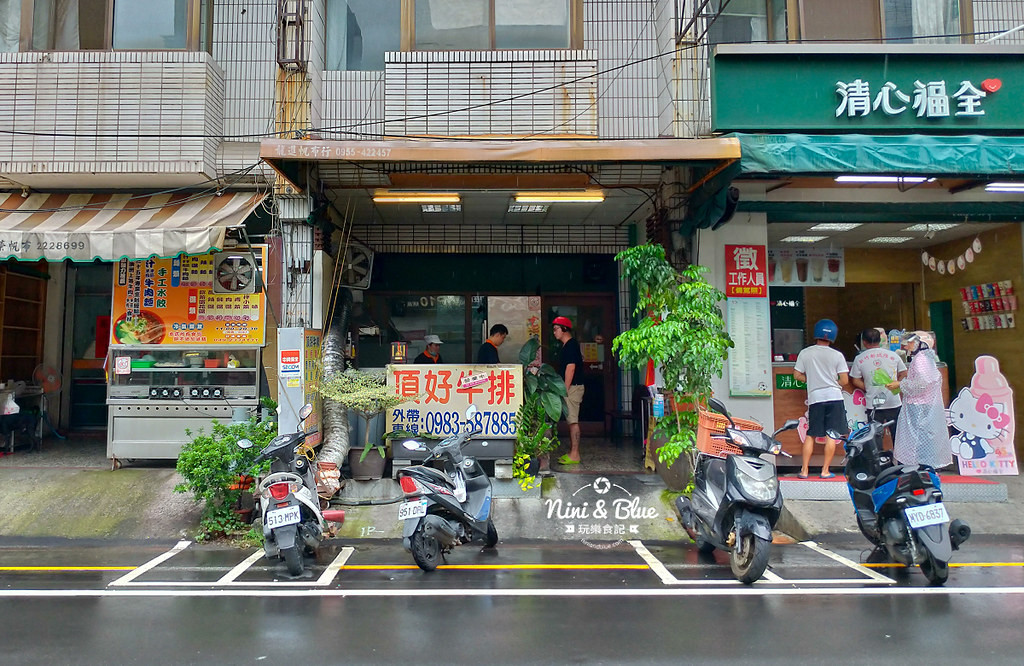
x: 234, y: 273
x: 358, y: 266
x: 47, y: 378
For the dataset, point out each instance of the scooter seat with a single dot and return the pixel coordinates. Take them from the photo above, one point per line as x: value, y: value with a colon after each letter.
x: 891, y: 473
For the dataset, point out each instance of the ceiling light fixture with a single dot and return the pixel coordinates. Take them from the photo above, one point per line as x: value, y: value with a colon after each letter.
x: 1005, y: 187
x: 891, y: 240
x: 388, y: 196
x: 835, y: 226
x: 579, y: 196
x: 803, y: 239
x: 909, y: 180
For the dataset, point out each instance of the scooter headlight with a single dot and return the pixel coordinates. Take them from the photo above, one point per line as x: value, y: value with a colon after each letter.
x: 757, y: 490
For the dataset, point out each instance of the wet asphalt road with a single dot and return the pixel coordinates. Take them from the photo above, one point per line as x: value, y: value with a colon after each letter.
x: 523, y: 602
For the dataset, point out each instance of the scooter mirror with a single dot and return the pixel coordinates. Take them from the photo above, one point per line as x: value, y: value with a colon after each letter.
x: 413, y: 445
x: 306, y: 410
x: 716, y: 404
x: 245, y: 444
x: 834, y: 434
x: 791, y: 424
x: 471, y: 412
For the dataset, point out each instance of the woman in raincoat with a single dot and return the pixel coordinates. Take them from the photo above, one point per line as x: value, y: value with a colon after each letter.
x: 922, y: 437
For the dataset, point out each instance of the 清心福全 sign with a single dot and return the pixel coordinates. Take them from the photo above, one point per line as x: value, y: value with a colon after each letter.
x: 930, y: 100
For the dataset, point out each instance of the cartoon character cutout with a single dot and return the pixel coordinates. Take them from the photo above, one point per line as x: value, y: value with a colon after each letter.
x: 979, y: 421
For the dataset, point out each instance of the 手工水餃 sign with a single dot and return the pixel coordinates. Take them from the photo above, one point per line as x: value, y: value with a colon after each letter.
x: 439, y: 396
x: 172, y: 302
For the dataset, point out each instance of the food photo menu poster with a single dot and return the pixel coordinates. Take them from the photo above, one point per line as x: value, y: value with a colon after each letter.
x: 172, y: 301
x: 806, y: 267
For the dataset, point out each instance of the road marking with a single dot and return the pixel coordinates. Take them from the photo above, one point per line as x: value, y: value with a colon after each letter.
x: 734, y: 591
x: 874, y: 575
x: 138, y: 571
x: 240, y: 568
x: 332, y: 569
x: 63, y: 569
x: 654, y: 563
x: 895, y: 565
x: 388, y: 567
x: 668, y: 578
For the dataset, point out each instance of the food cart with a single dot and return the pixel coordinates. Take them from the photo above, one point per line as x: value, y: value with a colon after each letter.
x: 185, y: 350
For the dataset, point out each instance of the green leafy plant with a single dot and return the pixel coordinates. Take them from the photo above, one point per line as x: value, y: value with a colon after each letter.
x: 543, y: 405
x: 212, y: 465
x: 366, y: 394
x: 680, y: 327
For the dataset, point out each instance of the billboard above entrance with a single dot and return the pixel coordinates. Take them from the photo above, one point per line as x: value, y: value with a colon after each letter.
x: 912, y: 89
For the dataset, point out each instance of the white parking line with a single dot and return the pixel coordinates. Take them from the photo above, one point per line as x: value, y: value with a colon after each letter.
x: 240, y: 567
x: 874, y: 575
x: 668, y: 578
x: 334, y: 567
x: 138, y: 571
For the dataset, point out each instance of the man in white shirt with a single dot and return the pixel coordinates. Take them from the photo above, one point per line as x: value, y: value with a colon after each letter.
x: 825, y: 371
x: 866, y: 373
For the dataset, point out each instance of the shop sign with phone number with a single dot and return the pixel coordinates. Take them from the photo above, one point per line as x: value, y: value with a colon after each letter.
x: 438, y: 399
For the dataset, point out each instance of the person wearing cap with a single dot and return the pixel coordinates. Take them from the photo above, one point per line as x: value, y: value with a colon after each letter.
x: 488, y: 352
x: 825, y: 371
x: 572, y: 374
x: 432, y: 354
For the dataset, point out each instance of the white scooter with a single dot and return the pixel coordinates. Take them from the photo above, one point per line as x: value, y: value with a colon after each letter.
x: 292, y: 519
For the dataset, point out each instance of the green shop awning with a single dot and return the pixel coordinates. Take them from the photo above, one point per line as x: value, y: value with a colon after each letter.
x: 965, y: 156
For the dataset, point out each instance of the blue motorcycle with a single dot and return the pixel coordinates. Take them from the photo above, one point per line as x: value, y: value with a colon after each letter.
x: 899, y: 508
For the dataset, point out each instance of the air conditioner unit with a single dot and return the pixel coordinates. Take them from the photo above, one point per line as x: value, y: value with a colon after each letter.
x: 235, y: 273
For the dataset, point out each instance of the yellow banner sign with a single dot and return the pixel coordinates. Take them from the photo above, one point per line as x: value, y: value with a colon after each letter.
x: 174, y: 301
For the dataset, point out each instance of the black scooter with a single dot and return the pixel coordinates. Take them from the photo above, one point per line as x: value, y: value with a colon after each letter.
x: 899, y: 507
x: 736, y: 501
x: 445, y: 507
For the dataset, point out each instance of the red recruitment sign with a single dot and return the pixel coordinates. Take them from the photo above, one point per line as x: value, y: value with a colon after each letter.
x: 746, y: 271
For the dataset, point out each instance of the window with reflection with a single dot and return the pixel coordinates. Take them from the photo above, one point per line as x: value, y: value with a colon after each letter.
x: 745, y: 21
x: 460, y: 25
x: 922, y: 21
x: 359, y: 32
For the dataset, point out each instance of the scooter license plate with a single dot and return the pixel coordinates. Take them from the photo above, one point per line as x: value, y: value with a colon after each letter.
x: 281, y: 517
x: 416, y: 509
x: 929, y: 514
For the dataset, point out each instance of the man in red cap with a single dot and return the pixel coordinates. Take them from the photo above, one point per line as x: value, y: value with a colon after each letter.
x: 572, y: 373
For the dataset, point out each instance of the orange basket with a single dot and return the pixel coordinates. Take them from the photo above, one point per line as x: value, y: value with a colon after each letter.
x: 712, y: 423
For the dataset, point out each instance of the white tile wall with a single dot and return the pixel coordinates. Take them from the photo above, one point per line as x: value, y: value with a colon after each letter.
x: 245, y: 46
x: 103, y: 112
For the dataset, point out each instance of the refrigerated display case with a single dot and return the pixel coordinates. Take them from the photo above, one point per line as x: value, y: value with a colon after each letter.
x: 156, y: 392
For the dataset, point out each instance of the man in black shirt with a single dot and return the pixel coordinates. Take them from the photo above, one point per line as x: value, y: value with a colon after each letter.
x: 432, y: 354
x: 488, y: 352
x: 572, y: 373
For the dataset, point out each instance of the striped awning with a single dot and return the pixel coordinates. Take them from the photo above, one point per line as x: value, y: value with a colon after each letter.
x: 84, y: 227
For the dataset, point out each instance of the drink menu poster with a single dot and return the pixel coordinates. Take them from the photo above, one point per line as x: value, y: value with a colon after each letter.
x: 750, y: 367
x: 172, y: 302
x: 806, y: 267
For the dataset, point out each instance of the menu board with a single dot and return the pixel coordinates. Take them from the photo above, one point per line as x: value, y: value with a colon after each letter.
x: 806, y: 267
x: 750, y: 368
x: 173, y: 302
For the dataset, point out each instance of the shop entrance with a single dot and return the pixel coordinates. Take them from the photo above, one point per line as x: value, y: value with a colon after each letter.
x: 87, y: 312
x: 593, y: 319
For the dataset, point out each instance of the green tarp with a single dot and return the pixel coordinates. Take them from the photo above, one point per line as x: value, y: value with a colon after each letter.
x: 969, y: 156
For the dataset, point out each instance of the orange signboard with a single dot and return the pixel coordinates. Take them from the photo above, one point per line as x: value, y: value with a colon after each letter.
x: 173, y: 302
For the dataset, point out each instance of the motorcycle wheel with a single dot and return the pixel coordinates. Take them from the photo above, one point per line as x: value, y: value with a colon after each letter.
x: 426, y: 551
x: 750, y: 566
x: 292, y: 559
x: 492, y: 535
x: 936, y: 571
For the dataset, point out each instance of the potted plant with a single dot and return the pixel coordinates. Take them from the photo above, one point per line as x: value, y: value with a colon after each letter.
x: 537, y: 418
x: 215, y: 470
x: 366, y: 394
x: 681, y: 330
